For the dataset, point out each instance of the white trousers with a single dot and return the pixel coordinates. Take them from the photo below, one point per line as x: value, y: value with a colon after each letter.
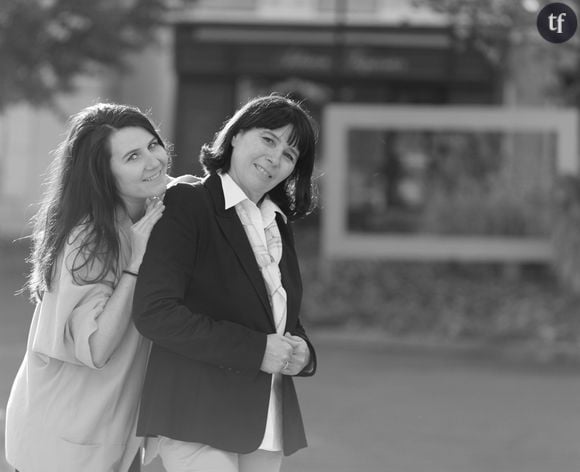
x: 179, y: 456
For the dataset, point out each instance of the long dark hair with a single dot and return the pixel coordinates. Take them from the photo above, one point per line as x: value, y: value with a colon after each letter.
x: 296, y: 194
x: 82, y: 194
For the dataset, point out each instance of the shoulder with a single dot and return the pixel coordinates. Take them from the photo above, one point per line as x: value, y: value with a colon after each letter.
x: 193, y: 196
x: 183, y: 179
x: 187, y: 205
x: 184, y: 191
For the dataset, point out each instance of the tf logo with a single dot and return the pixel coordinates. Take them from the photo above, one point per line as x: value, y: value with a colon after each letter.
x: 557, y: 22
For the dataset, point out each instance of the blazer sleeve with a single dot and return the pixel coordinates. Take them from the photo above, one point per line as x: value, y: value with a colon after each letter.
x: 159, y: 309
x: 310, y: 369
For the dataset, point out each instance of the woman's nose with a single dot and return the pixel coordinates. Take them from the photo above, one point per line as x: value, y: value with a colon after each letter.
x: 274, y: 156
x: 151, y: 161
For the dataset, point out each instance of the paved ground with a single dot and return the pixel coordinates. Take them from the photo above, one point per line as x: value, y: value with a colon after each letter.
x: 379, y: 406
x: 375, y: 409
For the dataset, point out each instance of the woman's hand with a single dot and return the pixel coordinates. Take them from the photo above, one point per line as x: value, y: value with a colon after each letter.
x: 300, y: 355
x: 277, y: 354
x: 141, y: 230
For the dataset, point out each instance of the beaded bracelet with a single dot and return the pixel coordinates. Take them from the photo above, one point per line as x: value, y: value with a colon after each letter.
x: 130, y: 273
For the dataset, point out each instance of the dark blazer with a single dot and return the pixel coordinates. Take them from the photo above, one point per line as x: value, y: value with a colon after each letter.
x: 201, y: 299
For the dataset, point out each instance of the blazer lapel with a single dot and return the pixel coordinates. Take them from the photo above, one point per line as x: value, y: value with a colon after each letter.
x: 235, y: 234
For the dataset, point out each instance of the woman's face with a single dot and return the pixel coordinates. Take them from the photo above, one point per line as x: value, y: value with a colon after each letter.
x: 261, y: 159
x: 138, y: 163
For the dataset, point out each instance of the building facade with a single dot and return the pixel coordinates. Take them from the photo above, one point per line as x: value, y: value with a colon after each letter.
x: 215, y: 54
x: 317, y: 51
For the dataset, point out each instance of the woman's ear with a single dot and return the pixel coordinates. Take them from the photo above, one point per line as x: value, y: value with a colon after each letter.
x: 235, y: 138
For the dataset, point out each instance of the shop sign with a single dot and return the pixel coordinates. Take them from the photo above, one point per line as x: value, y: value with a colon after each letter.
x: 361, y: 62
x: 304, y: 60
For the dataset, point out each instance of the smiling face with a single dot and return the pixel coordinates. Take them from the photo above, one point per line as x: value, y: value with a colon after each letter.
x: 261, y: 159
x: 139, y: 164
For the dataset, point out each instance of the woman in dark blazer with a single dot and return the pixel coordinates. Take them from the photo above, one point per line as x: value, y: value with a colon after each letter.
x: 219, y: 295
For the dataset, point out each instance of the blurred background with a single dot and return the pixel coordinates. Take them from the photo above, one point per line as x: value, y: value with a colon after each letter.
x: 442, y: 266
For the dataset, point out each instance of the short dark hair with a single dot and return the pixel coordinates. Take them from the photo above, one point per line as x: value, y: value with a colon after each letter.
x: 296, y: 194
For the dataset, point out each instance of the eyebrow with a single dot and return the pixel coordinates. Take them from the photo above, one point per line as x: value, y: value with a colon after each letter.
x: 290, y: 146
x: 128, y: 153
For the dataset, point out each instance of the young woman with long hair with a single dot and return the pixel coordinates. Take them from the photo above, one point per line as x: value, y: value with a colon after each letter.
x: 73, y: 404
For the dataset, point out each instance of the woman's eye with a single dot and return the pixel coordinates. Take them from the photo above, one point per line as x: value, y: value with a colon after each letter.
x: 132, y: 157
x: 290, y: 156
x: 153, y: 145
x: 268, y: 140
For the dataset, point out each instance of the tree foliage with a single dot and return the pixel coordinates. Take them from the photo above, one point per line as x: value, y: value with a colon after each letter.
x: 486, y: 25
x: 45, y: 44
x: 497, y: 27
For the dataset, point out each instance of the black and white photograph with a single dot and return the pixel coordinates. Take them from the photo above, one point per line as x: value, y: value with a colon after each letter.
x: 289, y: 236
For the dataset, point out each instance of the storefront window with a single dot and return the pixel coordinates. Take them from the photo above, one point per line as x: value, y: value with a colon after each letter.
x: 450, y: 183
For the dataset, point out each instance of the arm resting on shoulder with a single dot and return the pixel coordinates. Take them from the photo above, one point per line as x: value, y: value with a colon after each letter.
x: 113, y: 321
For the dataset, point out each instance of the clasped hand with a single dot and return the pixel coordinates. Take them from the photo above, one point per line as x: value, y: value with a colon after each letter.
x: 286, y: 354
